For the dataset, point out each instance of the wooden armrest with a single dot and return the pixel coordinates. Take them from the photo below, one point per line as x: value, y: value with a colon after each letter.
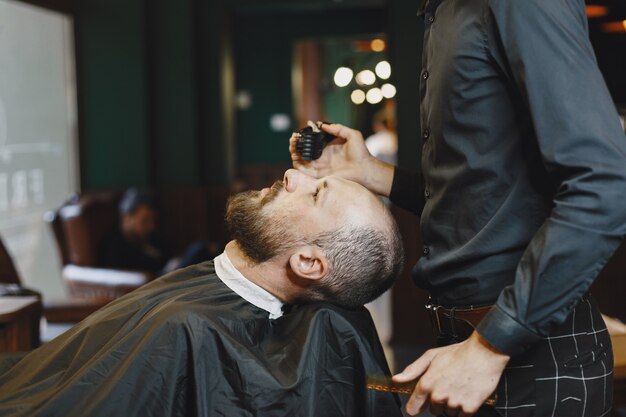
x: 102, y: 283
x: 71, y: 310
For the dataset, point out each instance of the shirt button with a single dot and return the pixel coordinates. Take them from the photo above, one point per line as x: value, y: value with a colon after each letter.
x: 427, y: 194
x: 426, y: 250
x: 426, y: 134
x: 431, y: 19
x: 425, y: 75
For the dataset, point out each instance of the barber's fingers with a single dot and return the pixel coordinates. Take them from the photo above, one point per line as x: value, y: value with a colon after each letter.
x: 308, y: 167
x: 464, y: 414
x: 417, y: 368
x: 342, y: 131
x: 295, y: 156
x: 292, y: 142
x: 450, y: 410
x: 419, y: 399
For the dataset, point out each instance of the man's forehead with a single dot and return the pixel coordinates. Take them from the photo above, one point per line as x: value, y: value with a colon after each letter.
x: 361, y: 206
x: 365, y: 193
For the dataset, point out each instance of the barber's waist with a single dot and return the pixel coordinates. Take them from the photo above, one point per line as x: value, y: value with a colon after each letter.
x: 457, y: 323
x: 470, y: 282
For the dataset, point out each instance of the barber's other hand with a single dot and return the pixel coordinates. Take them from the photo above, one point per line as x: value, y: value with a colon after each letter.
x: 346, y: 156
x: 456, y: 379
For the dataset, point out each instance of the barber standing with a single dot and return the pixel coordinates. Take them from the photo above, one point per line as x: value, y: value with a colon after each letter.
x: 522, y: 202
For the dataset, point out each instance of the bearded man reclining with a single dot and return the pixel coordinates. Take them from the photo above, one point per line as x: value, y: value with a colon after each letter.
x: 216, y: 339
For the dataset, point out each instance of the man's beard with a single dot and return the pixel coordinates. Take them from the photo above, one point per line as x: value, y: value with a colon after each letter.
x: 259, y: 235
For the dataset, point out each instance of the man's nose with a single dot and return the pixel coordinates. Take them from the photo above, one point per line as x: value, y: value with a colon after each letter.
x: 295, y: 179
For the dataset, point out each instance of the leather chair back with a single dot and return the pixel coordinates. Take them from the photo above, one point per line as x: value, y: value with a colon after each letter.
x: 54, y: 220
x: 84, y: 223
x: 8, y: 273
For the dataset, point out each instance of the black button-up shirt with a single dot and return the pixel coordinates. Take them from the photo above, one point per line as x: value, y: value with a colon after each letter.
x: 524, y: 164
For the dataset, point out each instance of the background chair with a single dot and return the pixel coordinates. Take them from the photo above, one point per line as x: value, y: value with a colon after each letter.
x: 8, y: 273
x: 186, y: 215
x: 67, y: 312
x: 79, y: 227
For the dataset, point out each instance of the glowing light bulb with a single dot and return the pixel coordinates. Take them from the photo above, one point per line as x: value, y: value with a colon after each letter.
x: 374, y: 95
x: 596, y: 10
x: 388, y: 90
x: 614, y: 27
x: 343, y: 76
x: 378, y: 45
x: 357, y: 96
x: 366, y: 77
x: 383, y: 70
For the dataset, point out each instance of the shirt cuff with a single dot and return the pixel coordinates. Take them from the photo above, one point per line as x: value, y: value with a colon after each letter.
x: 505, y: 334
x: 406, y: 190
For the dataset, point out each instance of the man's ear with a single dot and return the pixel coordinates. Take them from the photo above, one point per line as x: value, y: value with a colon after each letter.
x: 309, y: 262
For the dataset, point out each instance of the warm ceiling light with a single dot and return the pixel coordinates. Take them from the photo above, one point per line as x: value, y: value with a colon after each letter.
x: 596, y: 10
x: 343, y: 76
x: 383, y: 70
x: 357, y: 96
x: 388, y: 90
x: 374, y: 95
x: 365, y: 77
x: 377, y: 45
x: 615, y: 27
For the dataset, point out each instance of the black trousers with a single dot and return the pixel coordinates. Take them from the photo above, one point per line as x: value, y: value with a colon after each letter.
x: 568, y: 374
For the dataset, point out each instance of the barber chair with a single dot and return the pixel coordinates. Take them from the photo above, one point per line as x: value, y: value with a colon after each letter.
x: 79, y: 227
x: 22, y: 309
x: 20, y: 312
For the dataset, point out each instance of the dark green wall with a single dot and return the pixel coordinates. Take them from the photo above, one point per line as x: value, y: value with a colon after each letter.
x: 217, y: 91
x: 155, y: 93
x: 157, y: 83
x: 111, y: 66
x: 173, y: 87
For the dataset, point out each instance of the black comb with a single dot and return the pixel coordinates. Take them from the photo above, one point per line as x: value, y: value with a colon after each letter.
x: 311, y: 143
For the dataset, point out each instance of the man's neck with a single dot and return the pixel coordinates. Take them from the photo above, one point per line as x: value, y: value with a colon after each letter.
x: 266, y: 275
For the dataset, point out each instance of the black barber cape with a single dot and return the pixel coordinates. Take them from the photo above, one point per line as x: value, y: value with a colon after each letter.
x: 187, y: 345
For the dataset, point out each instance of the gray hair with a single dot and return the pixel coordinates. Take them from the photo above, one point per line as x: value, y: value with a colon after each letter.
x: 363, y: 263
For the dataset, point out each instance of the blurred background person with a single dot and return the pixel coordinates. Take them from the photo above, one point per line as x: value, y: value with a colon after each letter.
x: 136, y: 244
x: 383, y: 143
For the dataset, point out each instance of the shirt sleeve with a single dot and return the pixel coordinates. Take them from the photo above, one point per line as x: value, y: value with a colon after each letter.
x: 544, y: 50
x: 406, y: 190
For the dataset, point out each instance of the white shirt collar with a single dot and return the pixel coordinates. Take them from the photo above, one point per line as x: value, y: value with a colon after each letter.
x: 245, y: 288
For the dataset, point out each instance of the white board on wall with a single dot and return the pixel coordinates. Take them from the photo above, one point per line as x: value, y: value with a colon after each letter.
x: 38, y: 149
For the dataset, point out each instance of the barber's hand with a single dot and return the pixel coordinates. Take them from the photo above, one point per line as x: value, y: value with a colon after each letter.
x: 346, y: 156
x: 456, y: 379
